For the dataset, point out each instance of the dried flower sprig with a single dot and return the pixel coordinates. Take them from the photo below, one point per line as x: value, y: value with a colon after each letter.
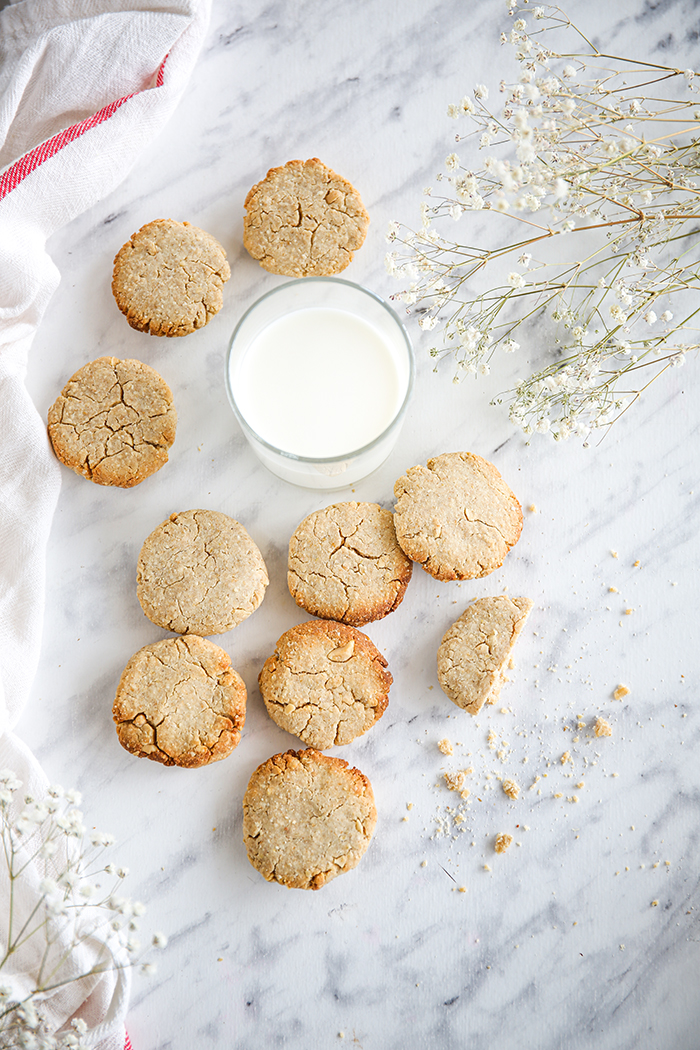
x: 597, y: 171
x: 61, y: 897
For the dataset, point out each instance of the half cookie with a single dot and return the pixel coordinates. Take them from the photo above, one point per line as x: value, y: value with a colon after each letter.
x: 180, y: 702
x: 325, y: 682
x: 475, y: 650
x: 307, y: 817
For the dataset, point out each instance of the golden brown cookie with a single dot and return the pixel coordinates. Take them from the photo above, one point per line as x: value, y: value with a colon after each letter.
x: 303, y: 220
x: 475, y: 650
x: 180, y: 702
x: 457, y: 516
x: 168, y: 278
x: 325, y: 682
x: 307, y: 818
x: 345, y: 564
x: 113, y: 422
x: 199, y: 572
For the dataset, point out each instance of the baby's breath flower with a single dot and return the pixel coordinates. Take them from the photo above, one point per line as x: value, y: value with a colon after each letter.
x: 564, y: 146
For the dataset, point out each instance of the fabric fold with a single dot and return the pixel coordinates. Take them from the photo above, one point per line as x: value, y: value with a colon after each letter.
x: 85, y: 85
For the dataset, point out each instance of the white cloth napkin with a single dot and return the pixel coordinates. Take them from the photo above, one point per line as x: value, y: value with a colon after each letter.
x: 84, y: 86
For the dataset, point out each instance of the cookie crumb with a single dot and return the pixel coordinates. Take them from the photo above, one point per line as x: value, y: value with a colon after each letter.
x: 566, y: 757
x: 620, y: 692
x: 602, y: 728
x: 445, y: 746
x: 455, y: 781
x: 503, y: 841
x: 654, y: 904
x: 511, y: 788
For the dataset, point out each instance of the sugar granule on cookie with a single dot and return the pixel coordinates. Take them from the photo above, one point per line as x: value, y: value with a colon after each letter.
x: 114, y: 422
x: 168, y: 278
x: 346, y: 565
x: 456, y: 516
x: 326, y: 682
x: 304, y: 220
x: 307, y: 818
x: 199, y: 572
x: 180, y: 702
x: 476, y: 648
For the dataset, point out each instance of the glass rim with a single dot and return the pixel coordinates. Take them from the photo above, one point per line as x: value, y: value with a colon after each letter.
x: 353, y: 453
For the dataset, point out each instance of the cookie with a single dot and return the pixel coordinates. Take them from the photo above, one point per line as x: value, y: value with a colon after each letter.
x: 346, y: 565
x: 180, y: 702
x: 303, y: 220
x: 325, y: 682
x: 456, y: 517
x: 168, y: 278
x: 307, y: 818
x: 476, y: 648
x: 199, y: 572
x: 113, y: 422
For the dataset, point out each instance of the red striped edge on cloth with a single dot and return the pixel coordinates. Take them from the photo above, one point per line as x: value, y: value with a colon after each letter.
x: 28, y: 163
x: 127, y: 1044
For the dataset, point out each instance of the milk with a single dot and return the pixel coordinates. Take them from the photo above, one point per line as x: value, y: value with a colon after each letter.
x: 321, y: 382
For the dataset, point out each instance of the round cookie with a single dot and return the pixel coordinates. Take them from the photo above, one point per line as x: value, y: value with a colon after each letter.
x: 457, y: 516
x: 180, y: 702
x: 303, y: 220
x: 325, y: 682
x: 345, y: 564
x: 199, y: 572
x: 307, y: 818
x: 168, y: 278
x: 113, y: 422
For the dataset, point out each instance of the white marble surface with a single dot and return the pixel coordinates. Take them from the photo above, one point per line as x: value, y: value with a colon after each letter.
x: 558, y: 944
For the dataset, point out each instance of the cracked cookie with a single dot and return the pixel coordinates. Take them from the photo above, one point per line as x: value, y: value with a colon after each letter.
x: 180, y: 702
x: 307, y: 818
x: 199, y: 572
x: 168, y: 278
x: 325, y: 682
x: 113, y: 422
x: 456, y: 517
x: 346, y: 565
x: 475, y: 650
x: 303, y: 220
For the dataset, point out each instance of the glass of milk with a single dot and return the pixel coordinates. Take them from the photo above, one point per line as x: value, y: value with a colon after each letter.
x: 319, y: 374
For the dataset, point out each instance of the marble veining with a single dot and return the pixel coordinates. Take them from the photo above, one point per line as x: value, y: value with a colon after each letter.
x: 585, y: 933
